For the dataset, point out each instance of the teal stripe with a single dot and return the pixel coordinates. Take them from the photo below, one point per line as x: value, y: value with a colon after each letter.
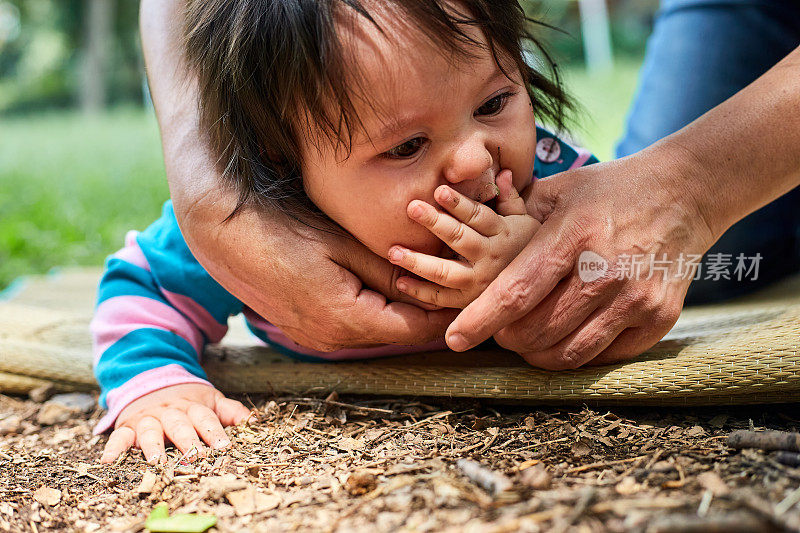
x: 142, y: 350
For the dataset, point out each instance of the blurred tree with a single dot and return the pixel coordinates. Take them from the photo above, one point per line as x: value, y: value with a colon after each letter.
x: 69, y: 52
x: 98, y: 18
x: 62, y: 53
x: 631, y: 23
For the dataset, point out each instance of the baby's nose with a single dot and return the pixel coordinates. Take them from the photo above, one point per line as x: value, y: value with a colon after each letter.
x: 470, y: 160
x: 471, y: 170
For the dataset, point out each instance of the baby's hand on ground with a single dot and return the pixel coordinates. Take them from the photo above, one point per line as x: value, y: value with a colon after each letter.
x: 487, y: 242
x: 183, y: 413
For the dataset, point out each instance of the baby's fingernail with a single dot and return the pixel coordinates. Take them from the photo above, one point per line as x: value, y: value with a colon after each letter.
x: 222, y: 443
x: 444, y: 194
x: 415, y: 211
x: 402, y: 285
x: 396, y: 255
x: 457, y: 342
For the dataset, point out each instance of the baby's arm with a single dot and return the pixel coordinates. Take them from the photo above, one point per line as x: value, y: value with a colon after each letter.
x: 486, y: 240
x: 157, y: 308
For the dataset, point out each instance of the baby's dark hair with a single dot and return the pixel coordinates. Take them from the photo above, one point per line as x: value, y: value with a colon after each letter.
x: 267, y: 69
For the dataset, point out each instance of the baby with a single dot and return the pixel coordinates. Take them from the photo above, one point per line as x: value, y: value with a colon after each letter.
x: 408, y: 124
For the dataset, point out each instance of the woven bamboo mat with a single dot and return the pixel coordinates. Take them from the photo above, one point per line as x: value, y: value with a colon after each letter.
x: 734, y: 353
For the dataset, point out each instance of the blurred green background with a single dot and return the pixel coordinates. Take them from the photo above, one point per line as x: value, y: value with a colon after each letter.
x: 80, y: 157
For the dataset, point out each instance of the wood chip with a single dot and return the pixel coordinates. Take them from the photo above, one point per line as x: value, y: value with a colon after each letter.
x: 491, y: 481
x: 148, y: 483
x: 711, y: 481
x: 249, y: 501
x: 47, y: 496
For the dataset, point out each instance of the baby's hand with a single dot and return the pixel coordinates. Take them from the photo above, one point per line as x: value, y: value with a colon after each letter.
x: 487, y: 242
x: 181, y: 412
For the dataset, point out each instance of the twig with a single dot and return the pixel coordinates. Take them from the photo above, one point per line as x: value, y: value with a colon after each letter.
x: 601, y: 464
x: 720, y: 523
x: 765, y: 440
x: 788, y: 502
x: 788, y: 458
x: 352, y: 407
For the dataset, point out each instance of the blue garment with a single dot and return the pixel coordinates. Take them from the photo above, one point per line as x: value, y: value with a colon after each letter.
x: 702, y: 52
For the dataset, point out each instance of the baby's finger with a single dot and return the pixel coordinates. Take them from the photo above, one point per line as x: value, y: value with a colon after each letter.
x: 464, y: 240
x: 181, y: 432
x: 150, y: 438
x: 476, y: 215
x: 207, y: 425
x: 445, y: 272
x: 509, y: 201
x: 431, y: 293
x: 119, y: 441
x: 230, y: 412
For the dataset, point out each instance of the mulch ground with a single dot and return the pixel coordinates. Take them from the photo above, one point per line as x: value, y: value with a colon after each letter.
x: 352, y: 464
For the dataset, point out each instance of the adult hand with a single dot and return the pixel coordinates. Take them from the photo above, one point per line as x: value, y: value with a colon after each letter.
x: 324, y: 290
x: 316, y: 286
x: 676, y: 197
x: 541, y: 308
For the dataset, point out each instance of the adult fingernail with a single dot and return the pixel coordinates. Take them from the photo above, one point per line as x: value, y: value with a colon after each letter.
x: 457, y: 342
x: 396, y: 255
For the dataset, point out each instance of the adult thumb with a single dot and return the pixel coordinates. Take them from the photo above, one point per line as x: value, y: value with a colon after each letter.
x: 540, y: 198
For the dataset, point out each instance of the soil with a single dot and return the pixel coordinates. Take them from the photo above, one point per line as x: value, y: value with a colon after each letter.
x: 390, y: 464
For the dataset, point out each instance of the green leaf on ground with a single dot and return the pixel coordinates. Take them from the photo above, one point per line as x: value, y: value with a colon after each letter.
x: 159, y: 521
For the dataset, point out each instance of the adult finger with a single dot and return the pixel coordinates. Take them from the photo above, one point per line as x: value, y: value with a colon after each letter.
x: 581, y: 346
x: 230, y: 412
x: 365, y: 316
x: 567, y: 306
x: 530, y: 277
x: 355, y: 316
x: 635, y: 340
x: 120, y: 440
x: 181, y: 432
x: 361, y: 267
x: 207, y: 425
x: 150, y: 438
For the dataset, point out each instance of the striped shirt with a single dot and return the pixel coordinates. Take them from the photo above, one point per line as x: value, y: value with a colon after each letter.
x: 157, y: 308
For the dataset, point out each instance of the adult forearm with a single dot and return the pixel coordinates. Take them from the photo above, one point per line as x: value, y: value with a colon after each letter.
x: 191, y: 169
x: 744, y: 153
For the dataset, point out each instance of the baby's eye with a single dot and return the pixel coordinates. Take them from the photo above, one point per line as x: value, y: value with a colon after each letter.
x: 406, y: 150
x: 494, y: 105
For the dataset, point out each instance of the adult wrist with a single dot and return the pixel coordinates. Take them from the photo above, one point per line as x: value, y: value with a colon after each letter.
x: 696, y: 184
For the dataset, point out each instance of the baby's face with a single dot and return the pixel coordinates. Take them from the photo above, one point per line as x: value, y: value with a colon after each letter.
x: 429, y: 122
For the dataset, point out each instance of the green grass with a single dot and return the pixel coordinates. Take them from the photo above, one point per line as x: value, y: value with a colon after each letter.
x: 605, y: 99
x: 71, y: 186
